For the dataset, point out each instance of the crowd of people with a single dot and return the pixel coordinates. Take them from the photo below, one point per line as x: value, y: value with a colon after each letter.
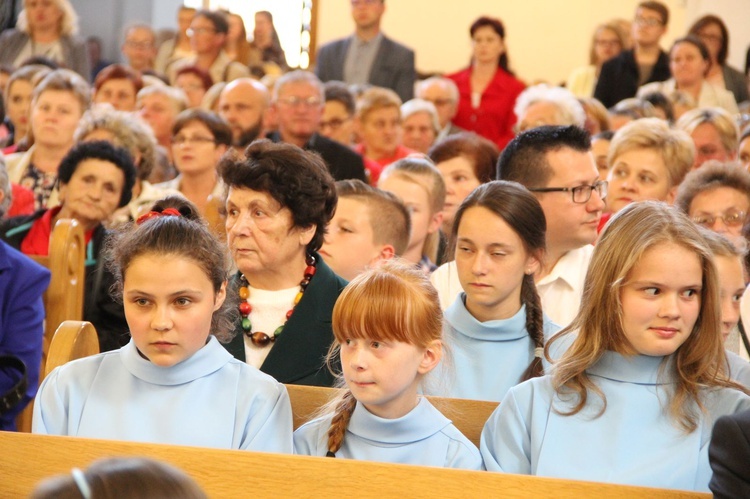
x: 576, y: 252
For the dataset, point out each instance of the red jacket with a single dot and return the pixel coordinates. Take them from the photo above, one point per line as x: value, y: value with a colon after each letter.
x: 494, y: 118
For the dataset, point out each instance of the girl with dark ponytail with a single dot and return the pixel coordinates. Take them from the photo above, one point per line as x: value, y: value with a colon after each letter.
x: 496, y: 326
x: 388, y: 335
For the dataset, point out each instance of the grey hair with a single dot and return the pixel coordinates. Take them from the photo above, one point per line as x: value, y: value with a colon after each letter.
x: 446, y: 83
x: 299, y: 76
x: 175, y: 95
x: 415, y: 106
x: 130, y: 132
x: 570, y: 111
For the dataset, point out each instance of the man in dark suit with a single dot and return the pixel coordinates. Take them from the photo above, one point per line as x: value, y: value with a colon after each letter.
x: 297, y: 106
x: 621, y: 76
x: 729, y: 454
x: 368, y: 56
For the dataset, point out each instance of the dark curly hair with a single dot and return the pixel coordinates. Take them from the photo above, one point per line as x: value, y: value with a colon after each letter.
x: 105, y: 151
x: 298, y: 180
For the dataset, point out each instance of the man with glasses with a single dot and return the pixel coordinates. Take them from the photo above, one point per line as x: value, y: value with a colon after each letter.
x: 556, y: 164
x: 208, y: 36
x: 621, y: 76
x: 338, y: 113
x: 368, y: 56
x: 443, y: 93
x: 139, y: 47
x: 297, y: 106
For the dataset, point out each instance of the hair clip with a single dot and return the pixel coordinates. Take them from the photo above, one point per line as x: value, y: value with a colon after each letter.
x: 80, y: 480
x: 167, y: 212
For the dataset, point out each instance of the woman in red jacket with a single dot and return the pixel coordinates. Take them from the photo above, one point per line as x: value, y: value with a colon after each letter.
x: 487, y: 88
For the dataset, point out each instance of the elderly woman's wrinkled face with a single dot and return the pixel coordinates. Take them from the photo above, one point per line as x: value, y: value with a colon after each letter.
x: 93, y: 192
x: 263, y: 240
x: 43, y: 14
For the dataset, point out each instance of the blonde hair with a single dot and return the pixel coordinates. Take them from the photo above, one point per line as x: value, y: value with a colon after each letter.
x: 675, y: 147
x: 392, y: 302
x: 721, y: 120
x: 614, y: 28
x: 699, y: 362
x: 68, y: 21
x: 423, y: 172
x: 64, y: 80
x: 374, y: 99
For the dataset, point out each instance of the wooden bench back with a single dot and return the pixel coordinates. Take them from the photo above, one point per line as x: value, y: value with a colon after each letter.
x: 26, y: 459
x: 468, y: 416
x: 63, y: 299
x: 73, y: 340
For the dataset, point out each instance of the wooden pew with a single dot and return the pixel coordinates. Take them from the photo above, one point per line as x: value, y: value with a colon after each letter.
x: 468, y: 416
x: 63, y: 299
x: 73, y: 340
x: 26, y: 459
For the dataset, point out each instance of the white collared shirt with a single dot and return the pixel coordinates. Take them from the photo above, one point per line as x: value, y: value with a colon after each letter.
x: 560, y: 291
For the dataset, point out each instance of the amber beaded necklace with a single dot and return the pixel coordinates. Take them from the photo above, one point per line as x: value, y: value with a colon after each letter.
x: 259, y: 338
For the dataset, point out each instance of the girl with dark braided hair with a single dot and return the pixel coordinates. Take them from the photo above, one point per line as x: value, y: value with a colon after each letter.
x: 496, y: 325
x: 388, y: 335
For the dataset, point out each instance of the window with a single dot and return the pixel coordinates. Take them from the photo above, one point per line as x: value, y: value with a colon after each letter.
x: 291, y: 18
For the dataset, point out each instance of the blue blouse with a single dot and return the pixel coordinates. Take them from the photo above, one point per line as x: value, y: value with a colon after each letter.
x: 634, y: 441
x: 207, y: 400
x: 488, y: 357
x: 423, y: 436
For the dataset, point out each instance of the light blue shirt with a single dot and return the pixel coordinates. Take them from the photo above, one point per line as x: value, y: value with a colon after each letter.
x: 207, y: 400
x: 488, y: 357
x: 424, y: 437
x: 633, y: 442
x: 739, y: 369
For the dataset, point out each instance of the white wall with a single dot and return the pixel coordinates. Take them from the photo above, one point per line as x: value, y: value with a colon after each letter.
x: 545, y: 38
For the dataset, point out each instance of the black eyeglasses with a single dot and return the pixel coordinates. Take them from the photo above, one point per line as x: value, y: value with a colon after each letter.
x: 580, y: 194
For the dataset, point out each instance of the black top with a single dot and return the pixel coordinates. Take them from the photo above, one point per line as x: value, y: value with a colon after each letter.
x: 343, y: 163
x: 618, y: 79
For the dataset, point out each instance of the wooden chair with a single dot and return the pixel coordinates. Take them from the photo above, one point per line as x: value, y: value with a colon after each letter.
x: 468, y: 416
x: 73, y: 340
x: 66, y: 261
x: 63, y: 299
x: 26, y: 459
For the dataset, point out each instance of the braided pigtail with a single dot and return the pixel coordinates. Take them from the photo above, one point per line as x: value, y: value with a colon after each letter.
x: 534, y: 326
x: 344, y: 407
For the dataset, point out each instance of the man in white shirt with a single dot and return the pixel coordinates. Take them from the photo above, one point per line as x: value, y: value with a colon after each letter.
x: 554, y: 162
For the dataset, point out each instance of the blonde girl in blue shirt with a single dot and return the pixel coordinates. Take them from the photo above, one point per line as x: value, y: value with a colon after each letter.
x: 388, y: 335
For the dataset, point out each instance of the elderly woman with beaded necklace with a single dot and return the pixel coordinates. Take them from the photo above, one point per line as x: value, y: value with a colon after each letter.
x: 279, y: 202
